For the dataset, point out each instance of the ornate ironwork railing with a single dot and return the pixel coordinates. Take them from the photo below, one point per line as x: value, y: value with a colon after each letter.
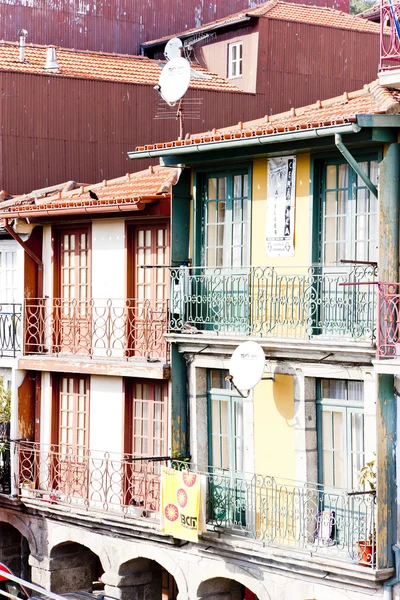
x: 5, y: 459
x: 10, y: 325
x: 388, y: 342
x: 271, y: 301
x: 97, y: 328
x: 390, y: 35
x: 303, y: 516
x: 99, y: 481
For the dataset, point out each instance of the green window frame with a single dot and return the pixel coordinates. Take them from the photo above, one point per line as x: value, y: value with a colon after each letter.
x: 340, y: 432
x: 225, y: 424
x: 347, y: 215
x: 226, y: 219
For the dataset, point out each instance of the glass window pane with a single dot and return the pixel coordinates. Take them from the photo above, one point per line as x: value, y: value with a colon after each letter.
x: 212, y: 189
x: 222, y: 187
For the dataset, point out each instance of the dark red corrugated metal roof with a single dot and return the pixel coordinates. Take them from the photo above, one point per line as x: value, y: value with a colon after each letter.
x: 287, y: 11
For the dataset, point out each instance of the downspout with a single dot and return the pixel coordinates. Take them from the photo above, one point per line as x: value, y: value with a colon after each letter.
x: 354, y: 164
x: 388, y: 585
x: 29, y: 252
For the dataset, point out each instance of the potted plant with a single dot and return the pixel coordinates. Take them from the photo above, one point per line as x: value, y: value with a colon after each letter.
x: 367, y: 547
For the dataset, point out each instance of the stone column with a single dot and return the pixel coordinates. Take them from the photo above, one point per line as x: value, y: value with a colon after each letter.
x: 73, y: 568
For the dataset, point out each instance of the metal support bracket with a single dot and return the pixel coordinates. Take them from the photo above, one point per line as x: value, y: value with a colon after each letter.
x: 354, y: 164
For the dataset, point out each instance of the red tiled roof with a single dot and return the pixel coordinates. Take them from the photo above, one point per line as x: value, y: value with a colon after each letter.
x: 85, y: 64
x: 286, y: 11
x: 372, y: 99
x: 130, y: 192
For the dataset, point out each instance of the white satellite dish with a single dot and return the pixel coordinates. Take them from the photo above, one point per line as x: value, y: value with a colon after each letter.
x: 247, y: 366
x: 174, y: 79
x: 173, y: 49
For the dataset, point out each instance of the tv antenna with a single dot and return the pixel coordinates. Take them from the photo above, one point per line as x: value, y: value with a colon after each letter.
x: 174, y: 82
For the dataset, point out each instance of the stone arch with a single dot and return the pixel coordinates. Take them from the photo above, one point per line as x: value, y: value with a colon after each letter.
x: 93, y: 543
x: 165, y: 560
x: 23, y: 528
x: 73, y: 566
x: 228, y: 585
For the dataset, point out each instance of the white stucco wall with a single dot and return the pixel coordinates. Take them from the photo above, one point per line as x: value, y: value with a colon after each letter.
x: 108, y: 259
x: 106, y: 414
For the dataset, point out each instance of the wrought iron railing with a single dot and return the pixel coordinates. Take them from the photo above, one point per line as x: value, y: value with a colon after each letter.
x: 390, y: 42
x: 10, y: 329
x: 125, y: 328
x: 271, y: 301
x: 303, y: 516
x: 5, y: 459
x: 388, y: 338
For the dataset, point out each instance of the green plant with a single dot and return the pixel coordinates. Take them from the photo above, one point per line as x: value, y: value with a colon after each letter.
x: 5, y: 403
x: 367, y: 474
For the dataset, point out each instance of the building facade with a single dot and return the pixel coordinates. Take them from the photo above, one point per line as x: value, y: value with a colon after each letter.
x: 283, y: 232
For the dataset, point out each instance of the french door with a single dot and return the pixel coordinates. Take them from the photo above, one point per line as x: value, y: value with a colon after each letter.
x: 226, y: 452
x: 146, y: 436
x: 71, y: 434
x: 226, y: 251
x: 72, y: 331
x: 148, y: 290
x: 347, y: 252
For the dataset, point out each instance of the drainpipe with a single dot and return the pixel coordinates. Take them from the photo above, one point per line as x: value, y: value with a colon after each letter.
x: 354, y: 164
x: 388, y: 585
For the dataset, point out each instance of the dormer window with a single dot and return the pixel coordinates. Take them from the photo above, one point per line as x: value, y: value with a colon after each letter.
x: 235, y: 60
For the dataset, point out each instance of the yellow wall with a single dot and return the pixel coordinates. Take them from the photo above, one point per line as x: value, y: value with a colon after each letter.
x: 274, y: 427
x: 302, y: 235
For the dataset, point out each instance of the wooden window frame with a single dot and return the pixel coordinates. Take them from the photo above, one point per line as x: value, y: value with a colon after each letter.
x: 235, y: 64
x: 57, y: 240
x: 56, y: 380
x: 129, y: 416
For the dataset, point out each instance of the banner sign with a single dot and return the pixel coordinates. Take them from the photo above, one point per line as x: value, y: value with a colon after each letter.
x: 182, y: 513
x: 281, y: 196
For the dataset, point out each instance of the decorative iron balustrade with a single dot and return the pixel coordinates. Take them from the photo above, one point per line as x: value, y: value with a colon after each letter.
x: 10, y: 329
x: 270, y: 301
x: 97, y: 328
x: 98, y: 481
x: 302, y: 516
x: 388, y: 342
x: 5, y: 463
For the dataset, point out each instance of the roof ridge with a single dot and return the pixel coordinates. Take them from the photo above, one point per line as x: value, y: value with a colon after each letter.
x: 384, y: 98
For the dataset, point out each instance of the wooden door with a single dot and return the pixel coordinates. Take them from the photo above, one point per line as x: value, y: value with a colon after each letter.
x: 72, y: 331
x: 149, y: 290
x: 71, y: 434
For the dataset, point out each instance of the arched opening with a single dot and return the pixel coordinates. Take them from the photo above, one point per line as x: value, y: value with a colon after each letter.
x: 14, y: 551
x: 221, y: 588
x: 75, y: 567
x: 144, y: 578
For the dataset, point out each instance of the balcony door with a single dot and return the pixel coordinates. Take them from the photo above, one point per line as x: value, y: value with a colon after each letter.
x: 70, y: 434
x: 226, y: 252
x: 348, y: 232
x: 148, y: 288
x: 145, y: 436
x: 72, y: 277
x: 226, y: 452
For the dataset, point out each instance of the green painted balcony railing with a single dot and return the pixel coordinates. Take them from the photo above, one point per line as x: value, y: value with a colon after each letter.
x: 333, y: 301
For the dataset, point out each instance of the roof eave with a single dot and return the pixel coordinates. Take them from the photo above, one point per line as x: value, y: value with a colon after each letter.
x: 205, y: 29
x: 272, y: 138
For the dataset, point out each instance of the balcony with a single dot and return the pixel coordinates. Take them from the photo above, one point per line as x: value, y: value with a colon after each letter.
x: 303, y: 517
x: 112, y: 329
x: 389, y: 321
x: 304, y: 303
x: 10, y: 326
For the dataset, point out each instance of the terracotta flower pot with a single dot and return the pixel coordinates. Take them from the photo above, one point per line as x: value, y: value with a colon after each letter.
x: 366, y: 553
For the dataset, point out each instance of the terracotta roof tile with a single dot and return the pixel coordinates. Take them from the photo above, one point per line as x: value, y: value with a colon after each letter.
x: 372, y: 99
x: 131, y: 191
x: 286, y: 11
x: 85, y: 64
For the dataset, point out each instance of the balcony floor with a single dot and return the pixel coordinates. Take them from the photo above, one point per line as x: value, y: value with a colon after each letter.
x: 317, y: 348
x: 117, y: 367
